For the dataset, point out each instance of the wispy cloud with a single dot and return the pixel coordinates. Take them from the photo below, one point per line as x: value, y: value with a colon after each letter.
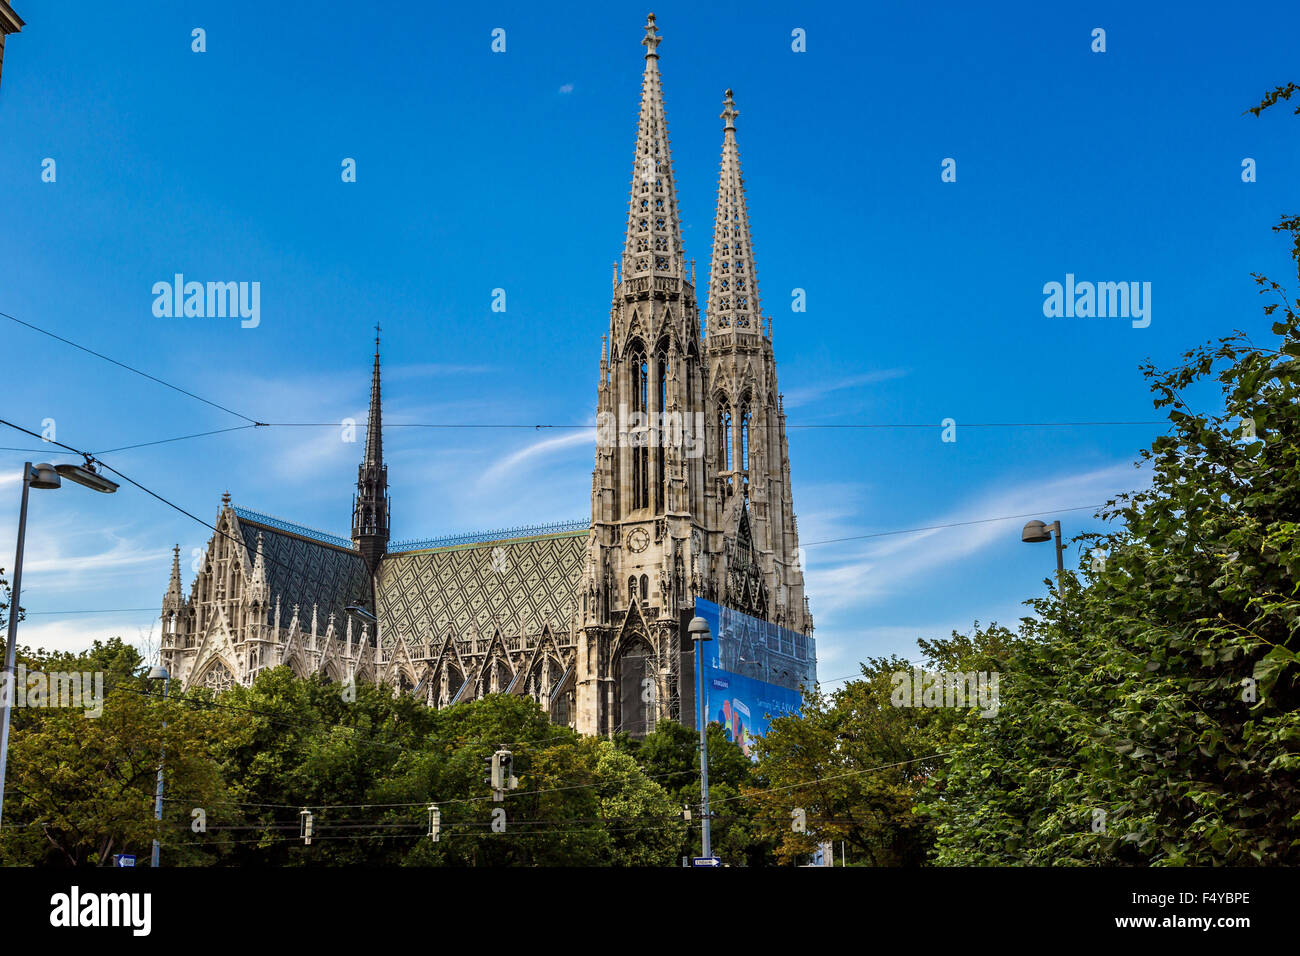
x: 808, y: 394
x: 403, y: 373
x: 516, y: 462
x: 852, y: 575
x: 566, y: 88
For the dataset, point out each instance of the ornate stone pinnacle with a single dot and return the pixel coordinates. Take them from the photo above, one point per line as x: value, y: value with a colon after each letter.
x: 652, y: 39
x: 729, y: 112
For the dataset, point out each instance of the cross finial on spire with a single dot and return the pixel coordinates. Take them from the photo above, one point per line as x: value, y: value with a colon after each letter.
x: 651, y: 40
x: 729, y: 113
x: 376, y: 338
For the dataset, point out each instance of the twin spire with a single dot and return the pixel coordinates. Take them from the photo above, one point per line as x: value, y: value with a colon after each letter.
x: 733, y: 284
x: 653, y: 244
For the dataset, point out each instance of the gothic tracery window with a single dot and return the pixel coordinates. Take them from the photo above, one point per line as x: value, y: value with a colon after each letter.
x: 218, y: 678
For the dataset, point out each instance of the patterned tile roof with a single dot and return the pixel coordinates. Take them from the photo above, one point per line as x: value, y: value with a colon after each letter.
x: 509, y: 583
x: 306, y: 567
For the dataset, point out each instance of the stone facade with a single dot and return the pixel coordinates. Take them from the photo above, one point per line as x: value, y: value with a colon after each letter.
x: 690, y: 498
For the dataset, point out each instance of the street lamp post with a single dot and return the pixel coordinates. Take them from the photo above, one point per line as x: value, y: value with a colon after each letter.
x: 699, y: 631
x: 159, y: 673
x: 42, y: 476
x: 1036, y: 532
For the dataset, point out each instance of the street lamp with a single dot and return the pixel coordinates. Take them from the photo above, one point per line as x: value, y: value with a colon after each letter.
x: 88, y: 476
x: 362, y: 612
x: 699, y: 631
x: 160, y: 673
x: 1036, y: 532
x: 42, y: 476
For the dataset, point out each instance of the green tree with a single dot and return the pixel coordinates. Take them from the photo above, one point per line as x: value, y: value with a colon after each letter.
x: 1150, y: 717
x: 80, y: 787
x: 855, y: 764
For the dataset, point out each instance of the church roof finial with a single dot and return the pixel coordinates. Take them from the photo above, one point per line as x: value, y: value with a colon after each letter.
x: 652, y: 39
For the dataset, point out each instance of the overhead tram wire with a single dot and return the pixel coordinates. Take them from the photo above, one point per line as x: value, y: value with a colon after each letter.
x: 127, y: 478
x: 591, y: 425
x: 859, y: 537
x: 130, y: 368
x: 255, y: 423
x: 757, y: 794
x: 541, y: 425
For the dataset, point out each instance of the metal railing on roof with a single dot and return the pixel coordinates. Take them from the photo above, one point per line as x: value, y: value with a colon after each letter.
x: 484, y: 537
x: 282, y: 525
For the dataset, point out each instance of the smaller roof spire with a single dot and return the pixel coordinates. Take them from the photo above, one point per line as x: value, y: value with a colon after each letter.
x: 374, y: 425
x: 174, y: 585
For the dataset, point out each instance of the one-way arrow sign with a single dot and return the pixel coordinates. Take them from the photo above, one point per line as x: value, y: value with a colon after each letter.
x: 706, y: 861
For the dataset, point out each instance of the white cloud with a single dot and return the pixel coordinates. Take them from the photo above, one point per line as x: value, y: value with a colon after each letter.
x: 516, y: 462
x: 846, y: 577
x: 811, y: 393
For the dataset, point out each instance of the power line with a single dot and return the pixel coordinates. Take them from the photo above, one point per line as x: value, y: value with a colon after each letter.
x: 164, y: 441
x: 953, y: 524
x: 106, y: 610
x: 536, y: 425
x: 758, y: 794
x: 129, y: 368
x: 90, y: 458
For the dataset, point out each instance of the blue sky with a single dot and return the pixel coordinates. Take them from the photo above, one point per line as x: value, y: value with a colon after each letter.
x: 481, y: 170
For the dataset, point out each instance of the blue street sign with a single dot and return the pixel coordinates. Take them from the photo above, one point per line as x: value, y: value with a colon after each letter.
x: 706, y: 861
x: 124, y: 859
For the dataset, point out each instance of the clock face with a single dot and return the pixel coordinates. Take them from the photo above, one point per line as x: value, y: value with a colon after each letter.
x: 638, y: 539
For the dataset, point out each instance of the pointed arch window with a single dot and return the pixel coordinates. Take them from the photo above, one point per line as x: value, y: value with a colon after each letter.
x: 638, y: 439
x: 744, y: 436
x: 724, y: 434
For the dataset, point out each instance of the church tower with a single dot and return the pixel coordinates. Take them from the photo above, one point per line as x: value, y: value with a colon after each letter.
x: 370, y: 506
x: 652, y: 497
x: 763, y: 575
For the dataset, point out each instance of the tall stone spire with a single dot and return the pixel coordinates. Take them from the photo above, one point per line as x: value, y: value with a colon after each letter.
x: 370, y: 506
x: 653, y: 502
x: 750, y: 451
x: 733, y: 283
x: 653, y: 244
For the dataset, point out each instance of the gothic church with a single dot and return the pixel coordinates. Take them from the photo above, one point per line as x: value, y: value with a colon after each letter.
x: 575, y: 614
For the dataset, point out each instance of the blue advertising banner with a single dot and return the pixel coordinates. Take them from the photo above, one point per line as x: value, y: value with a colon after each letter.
x: 745, y: 649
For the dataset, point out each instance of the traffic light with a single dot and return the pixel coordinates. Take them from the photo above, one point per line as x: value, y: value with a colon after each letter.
x: 500, y: 774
